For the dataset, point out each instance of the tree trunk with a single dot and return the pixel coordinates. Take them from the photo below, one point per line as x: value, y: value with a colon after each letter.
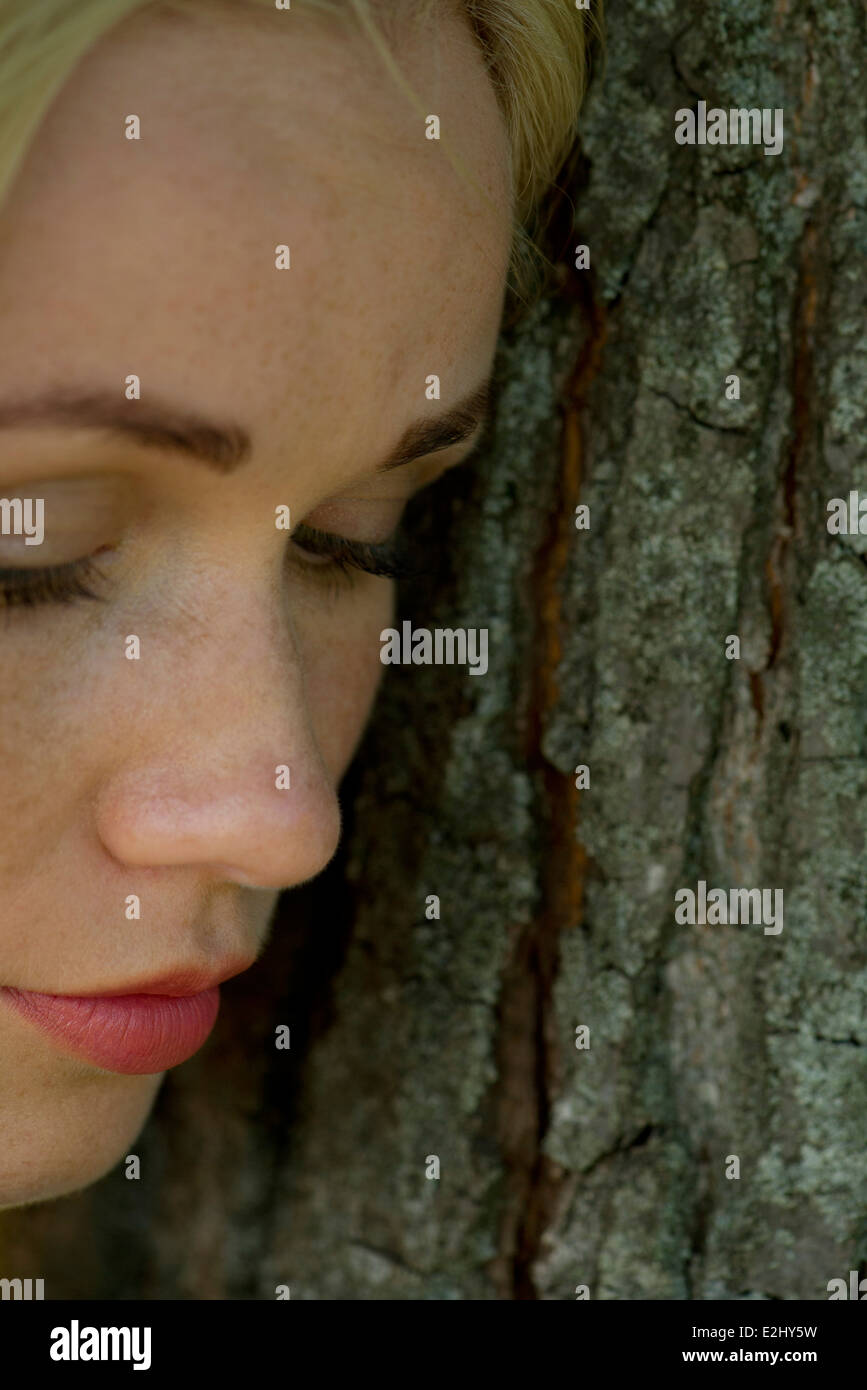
x: 411, y: 1038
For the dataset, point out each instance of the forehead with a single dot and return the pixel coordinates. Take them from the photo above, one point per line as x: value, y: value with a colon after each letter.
x: 260, y: 128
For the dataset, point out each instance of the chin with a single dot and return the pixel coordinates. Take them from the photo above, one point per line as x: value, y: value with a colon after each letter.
x: 58, y: 1143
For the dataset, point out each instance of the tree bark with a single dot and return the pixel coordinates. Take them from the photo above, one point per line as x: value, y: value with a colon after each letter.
x: 603, y: 1167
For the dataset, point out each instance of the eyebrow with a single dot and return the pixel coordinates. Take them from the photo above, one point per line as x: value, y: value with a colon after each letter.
x: 225, y: 447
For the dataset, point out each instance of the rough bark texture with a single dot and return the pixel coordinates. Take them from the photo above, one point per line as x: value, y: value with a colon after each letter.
x: 456, y: 1037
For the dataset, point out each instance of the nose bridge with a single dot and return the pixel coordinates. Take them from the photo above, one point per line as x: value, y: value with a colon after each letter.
x: 236, y: 671
x: 218, y: 670
x: 216, y: 759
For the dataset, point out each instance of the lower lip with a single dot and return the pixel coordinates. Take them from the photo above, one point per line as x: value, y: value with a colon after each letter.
x: 137, y: 1034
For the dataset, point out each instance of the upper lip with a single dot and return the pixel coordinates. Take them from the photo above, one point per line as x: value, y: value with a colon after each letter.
x: 194, y: 979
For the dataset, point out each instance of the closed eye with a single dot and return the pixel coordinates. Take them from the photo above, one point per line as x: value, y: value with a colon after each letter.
x: 387, y: 560
x: 52, y: 584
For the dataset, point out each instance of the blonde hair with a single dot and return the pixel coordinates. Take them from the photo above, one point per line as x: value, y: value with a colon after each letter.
x: 535, y: 52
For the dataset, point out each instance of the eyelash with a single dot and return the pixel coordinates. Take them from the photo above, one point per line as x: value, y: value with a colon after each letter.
x: 69, y: 582
x: 388, y: 560
x: 55, y: 584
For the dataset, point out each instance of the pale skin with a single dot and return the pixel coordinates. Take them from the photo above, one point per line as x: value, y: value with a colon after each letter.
x: 157, y: 257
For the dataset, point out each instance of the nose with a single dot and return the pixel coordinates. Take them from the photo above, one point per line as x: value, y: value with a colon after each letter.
x: 215, y: 762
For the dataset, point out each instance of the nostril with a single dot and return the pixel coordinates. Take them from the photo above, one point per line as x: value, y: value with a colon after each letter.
x: 242, y: 879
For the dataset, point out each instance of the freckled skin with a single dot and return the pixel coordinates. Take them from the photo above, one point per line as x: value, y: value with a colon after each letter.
x: 156, y: 257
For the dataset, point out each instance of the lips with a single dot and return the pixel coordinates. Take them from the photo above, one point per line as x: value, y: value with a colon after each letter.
x: 135, y: 1034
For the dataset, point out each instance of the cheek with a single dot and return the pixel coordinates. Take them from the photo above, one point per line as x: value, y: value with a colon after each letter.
x: 340, y: 647
x: 40, y: 708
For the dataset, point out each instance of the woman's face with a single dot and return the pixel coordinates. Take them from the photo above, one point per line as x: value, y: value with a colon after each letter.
x: 155, y: 777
